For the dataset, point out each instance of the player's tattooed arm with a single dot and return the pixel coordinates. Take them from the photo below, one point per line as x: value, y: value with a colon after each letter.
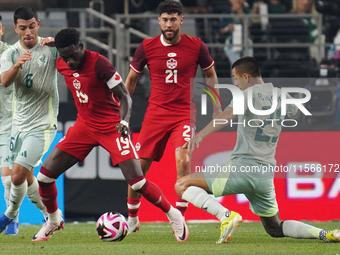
x: 125, y: 108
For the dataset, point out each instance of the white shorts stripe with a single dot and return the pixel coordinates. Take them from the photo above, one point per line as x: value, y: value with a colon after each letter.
x: 133, y: 148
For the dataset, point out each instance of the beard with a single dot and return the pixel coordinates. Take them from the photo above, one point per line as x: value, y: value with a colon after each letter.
x: 170, y: 37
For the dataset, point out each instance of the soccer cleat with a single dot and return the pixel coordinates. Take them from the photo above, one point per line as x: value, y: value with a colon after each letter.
x: 12, y: 229
x: 133, y: 225
x: 330, y: 236
x: 228, y: 226
x: 179, y: 228
x: 4, y: 222
x: 47, y: 230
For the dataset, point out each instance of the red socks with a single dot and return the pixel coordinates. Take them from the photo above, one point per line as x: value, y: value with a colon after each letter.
x: 150, y: 192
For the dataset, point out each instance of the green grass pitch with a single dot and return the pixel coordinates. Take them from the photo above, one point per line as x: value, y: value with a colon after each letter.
x: 157, y: 238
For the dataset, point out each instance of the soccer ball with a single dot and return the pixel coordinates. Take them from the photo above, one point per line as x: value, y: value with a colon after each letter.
x: 112, y: 227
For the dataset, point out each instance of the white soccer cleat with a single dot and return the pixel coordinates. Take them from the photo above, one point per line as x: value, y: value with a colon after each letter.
x: 47, y: 230
x: 133, y: 223
x: 179, y: 228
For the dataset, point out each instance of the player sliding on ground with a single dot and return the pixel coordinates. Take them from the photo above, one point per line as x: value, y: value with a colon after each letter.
x: 104, y: 108
x: 254, y: 147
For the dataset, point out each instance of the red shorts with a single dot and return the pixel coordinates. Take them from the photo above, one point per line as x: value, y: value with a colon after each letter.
x: 154, y: 136
x: 80, y: 140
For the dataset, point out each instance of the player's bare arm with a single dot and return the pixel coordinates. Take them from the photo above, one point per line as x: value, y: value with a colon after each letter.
x: 125, y: 108
x: 49, y: 41
x: 8, y: 77
x: 211, y: 79
x: 131, y: 81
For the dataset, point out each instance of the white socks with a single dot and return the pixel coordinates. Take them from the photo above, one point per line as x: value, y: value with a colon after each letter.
x: 54, y: 217
x: 201, y: 199
x: 296, y: 229
x: 7, y: 182
x: 34, y: 197
x: 17, y: 194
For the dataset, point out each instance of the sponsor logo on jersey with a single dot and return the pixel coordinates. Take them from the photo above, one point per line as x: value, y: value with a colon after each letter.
x: 172, y: 54
x: 171, y: 63
x: 137, y: 146
x: 75, y: 74
x: 76, y: 84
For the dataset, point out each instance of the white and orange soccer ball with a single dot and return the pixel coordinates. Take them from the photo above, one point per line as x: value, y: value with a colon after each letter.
x: 112, y: 227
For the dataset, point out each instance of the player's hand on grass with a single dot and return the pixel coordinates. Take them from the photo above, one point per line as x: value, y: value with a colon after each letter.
x: 26, y: 56
x: 49, y: 41
x: 123, y: 128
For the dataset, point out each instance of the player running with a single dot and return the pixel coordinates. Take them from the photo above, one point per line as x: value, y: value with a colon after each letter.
x: 30, y: 65
x: 172, y: 59
x: 104, y: 108
x: 255, y: 146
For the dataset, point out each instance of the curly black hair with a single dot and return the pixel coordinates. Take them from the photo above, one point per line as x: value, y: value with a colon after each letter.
x: 66, y: 37
x: 25, y: 13
x: 169, y: 7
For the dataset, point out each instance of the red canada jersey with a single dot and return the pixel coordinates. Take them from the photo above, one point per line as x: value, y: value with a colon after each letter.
x: 171, y: 68
x: 97, y: 107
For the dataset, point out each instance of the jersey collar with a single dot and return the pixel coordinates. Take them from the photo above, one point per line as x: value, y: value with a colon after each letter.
x: 163, y: 42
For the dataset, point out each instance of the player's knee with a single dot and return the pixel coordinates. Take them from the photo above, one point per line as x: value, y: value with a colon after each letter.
x: 18, y: 178
x: 180, y: 186
x: 275, y: 231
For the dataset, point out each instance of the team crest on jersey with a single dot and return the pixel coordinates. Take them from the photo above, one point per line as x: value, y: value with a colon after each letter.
x: 76, y: 84
x: 172, y: 54
x: 137, y: 146
x: 75, y: 74
x: 171, y: 63
x: 42, y: 60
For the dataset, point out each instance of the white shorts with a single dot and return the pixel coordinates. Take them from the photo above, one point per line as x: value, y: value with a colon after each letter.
x: 28, y: 148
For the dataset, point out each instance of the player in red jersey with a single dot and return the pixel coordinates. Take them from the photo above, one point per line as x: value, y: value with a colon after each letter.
x: 104, y: 108
x: 172, y: 59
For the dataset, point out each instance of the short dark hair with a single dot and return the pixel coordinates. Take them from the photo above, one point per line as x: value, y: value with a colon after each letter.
x: 247, y: 65
x: 25, y: 13
x: 169, y: 7
x: 66, y: 37
x: 0, y: 18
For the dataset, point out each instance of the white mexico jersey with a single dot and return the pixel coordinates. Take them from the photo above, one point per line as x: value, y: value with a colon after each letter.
x: 6, y: 95
x: 35, y: 89
x: 257, y: 135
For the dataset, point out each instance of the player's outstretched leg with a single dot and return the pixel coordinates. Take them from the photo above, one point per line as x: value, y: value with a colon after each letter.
x: 297, y: 229
x: 154, y: 195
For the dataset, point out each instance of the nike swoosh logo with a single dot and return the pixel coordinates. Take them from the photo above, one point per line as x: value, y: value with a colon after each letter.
x: 184, y: 233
